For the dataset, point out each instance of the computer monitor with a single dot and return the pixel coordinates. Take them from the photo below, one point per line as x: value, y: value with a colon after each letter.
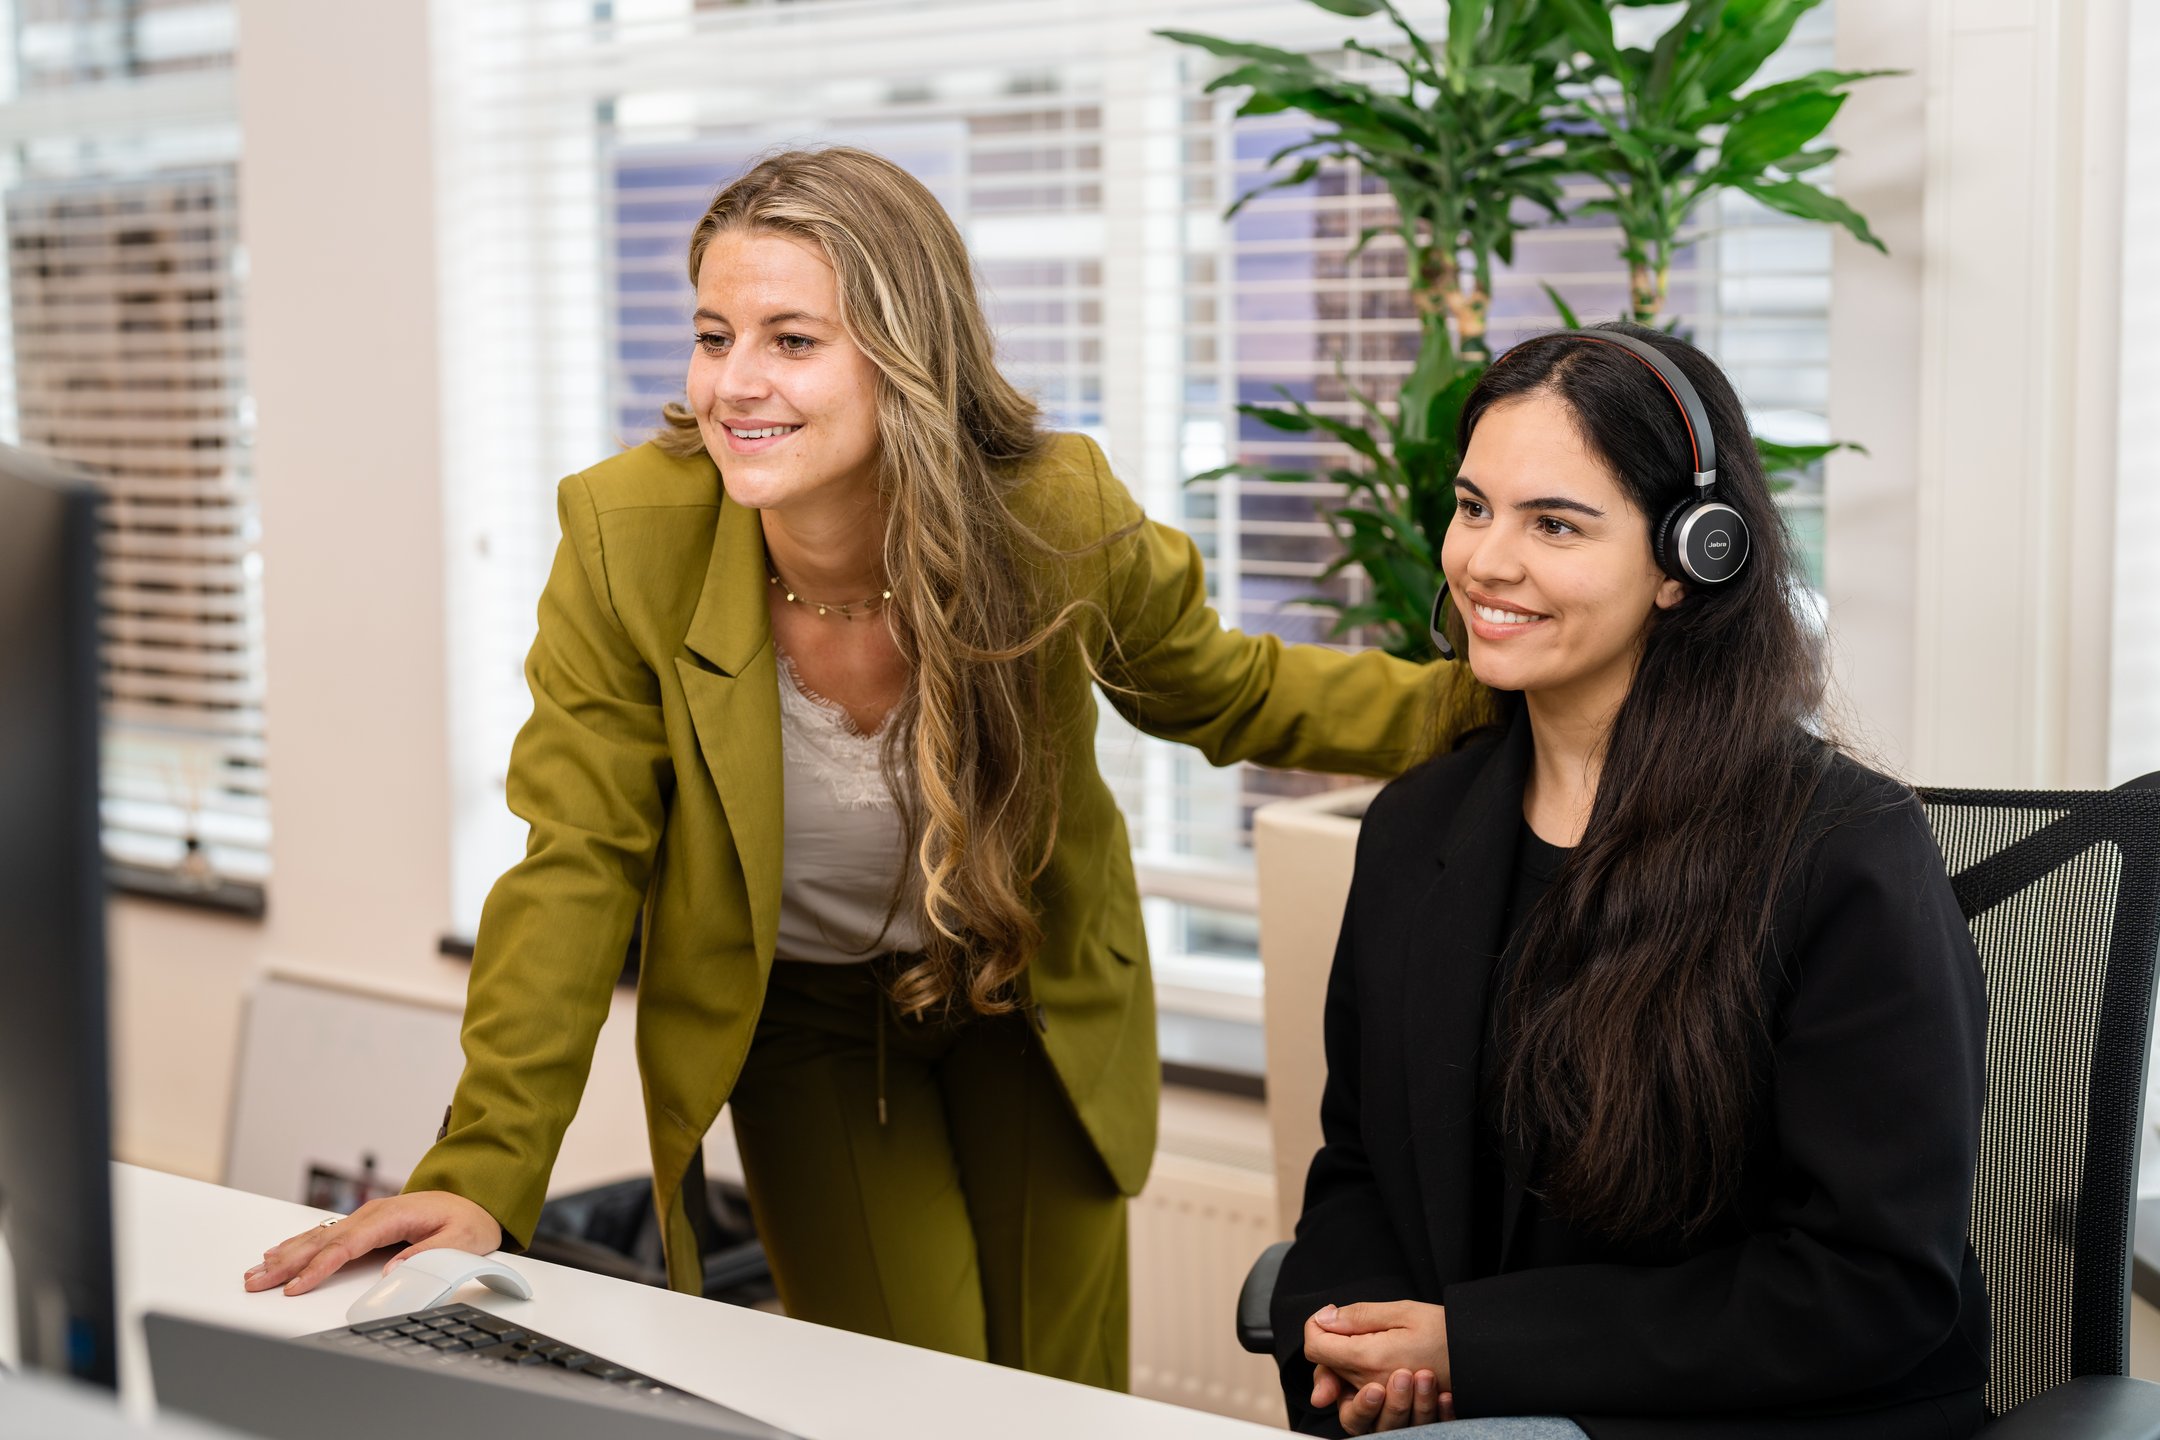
x: 55, y: 1146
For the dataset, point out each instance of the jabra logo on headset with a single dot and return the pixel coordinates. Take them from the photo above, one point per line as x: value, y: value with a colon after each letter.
x: 1716, y: 544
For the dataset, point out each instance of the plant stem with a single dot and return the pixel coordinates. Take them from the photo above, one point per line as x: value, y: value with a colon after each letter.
x: 1441, y: 294
x: 1646, y: 289
x: 1468, y: 310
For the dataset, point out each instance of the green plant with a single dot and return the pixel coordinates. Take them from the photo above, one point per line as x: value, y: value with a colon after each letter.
x: 1471, y: 145
x: 1673, y: 127
x: 1460, y: 143
x: 1399, y: 498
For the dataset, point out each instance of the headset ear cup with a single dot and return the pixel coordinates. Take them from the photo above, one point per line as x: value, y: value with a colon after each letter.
x: 1708, y: 541
x: 1662, y: 543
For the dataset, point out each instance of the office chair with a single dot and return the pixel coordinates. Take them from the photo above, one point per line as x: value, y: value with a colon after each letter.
x: 2062, y: 891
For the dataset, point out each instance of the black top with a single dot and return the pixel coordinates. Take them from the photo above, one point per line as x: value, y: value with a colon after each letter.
x: 1537, y: 865
x: 1835, y: 1296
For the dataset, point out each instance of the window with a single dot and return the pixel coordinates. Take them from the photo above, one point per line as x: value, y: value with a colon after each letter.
x: 1088, y: 171
x: 123, y: 355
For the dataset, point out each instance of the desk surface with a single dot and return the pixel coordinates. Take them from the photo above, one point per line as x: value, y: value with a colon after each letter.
x: 183, y: 1244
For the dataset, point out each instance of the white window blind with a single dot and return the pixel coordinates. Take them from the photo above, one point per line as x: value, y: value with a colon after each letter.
x: 123, y: 355
x: 1088, y: 172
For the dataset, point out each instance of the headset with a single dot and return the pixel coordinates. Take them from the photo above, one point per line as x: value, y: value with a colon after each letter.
x: 1700, y: 540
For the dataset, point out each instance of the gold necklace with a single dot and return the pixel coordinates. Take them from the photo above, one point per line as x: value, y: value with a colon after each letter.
x: 845, y: 609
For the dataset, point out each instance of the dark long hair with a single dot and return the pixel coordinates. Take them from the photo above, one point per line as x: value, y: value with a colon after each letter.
x: 1632, y: 1032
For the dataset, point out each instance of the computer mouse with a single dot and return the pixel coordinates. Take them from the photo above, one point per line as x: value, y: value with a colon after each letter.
x: 427, y: 1280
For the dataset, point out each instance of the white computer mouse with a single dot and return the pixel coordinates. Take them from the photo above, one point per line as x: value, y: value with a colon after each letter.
x: 428, y: 1279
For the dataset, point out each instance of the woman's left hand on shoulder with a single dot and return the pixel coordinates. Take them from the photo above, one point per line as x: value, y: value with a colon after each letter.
x: 1365, y: 1345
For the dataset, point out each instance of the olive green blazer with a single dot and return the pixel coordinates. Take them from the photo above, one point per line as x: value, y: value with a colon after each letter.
x: 650, y: 774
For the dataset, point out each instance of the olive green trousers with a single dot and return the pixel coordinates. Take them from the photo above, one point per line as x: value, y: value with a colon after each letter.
x: 927, y: 1180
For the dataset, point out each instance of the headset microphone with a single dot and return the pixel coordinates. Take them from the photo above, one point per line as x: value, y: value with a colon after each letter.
x: 1439, y: 635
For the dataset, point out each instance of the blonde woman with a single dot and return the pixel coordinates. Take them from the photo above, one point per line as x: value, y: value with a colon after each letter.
x: 812, y: 692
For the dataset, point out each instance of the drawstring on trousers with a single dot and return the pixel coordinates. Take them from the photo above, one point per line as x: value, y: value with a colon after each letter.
x: 882, y: 1002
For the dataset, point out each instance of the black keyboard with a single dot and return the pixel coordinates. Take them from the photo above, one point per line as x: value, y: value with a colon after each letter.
x: 462, y: 1335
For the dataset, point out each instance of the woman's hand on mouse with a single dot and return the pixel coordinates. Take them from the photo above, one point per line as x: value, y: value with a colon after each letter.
x: 423, y: 1220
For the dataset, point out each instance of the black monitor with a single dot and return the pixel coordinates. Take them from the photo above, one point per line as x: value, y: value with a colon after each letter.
x: 55, y: 1146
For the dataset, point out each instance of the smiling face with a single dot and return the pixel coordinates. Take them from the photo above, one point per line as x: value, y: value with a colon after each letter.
x: 786, y: 401
x: 1548, y: 559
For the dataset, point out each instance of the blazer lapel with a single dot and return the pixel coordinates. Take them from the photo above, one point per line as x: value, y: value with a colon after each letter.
x: 1446, y: 995
x: 733, y: 692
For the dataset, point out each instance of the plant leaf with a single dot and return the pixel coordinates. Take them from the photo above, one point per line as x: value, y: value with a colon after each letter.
x: 1797, y: 197
x: 1464, y: 19
x: 1365, y: 237
x: 1301, y: 419
x: 1782, y: 459
x: 1515, y: 80
x: 1355, y: 9
x: 1435, y: 369
x: 1417, y: 42
x: 1589, y: 27
x: 1806, y: 160
x: 1295, y: 422
x: 1277, y: 182
x: 1724, y: 107
x: 1561, y: 307
x: 1784, y: 127
x: 1686, y: 38
x: 1742, y: 48
x: 1243, y: 50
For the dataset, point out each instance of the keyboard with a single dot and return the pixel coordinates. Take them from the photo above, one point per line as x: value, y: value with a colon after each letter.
x: 499, y: 1350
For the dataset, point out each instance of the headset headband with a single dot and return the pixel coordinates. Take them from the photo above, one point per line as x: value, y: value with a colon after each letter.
x: 1701, y: 440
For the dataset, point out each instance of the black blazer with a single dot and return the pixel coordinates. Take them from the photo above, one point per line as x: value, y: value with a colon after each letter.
x: 1835, y: 1297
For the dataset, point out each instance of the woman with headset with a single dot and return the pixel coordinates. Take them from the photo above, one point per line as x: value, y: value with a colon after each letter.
x: 1672, y: 1127
x: 813, y: 696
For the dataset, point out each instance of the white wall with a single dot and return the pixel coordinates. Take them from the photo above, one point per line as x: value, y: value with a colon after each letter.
x: 2134, y: 732
x: 1870, y: 502
x: 1971, y: 561
x: 2018, y: 479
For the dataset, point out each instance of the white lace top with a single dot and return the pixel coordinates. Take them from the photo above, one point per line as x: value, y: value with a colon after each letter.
x: 844, y: 848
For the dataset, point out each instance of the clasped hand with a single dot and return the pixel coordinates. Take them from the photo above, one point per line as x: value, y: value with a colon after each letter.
x: 1383, y: 1366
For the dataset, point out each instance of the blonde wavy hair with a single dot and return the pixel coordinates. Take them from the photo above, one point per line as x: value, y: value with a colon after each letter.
x: 964, y: 752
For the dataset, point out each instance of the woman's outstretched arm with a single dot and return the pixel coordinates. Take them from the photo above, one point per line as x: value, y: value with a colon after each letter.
x: 590, y: 774
x: 1177, y: 673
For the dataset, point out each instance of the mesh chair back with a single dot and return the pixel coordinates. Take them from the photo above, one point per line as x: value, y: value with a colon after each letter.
x: 2062, y: 891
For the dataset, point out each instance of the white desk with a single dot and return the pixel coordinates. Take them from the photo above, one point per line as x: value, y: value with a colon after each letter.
x: 183, y: 1245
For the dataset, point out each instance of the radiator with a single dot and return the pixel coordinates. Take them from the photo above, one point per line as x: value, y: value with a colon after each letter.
x: 1207, y: 1213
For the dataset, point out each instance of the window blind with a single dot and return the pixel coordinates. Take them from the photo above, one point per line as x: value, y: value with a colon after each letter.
x: 124, y: 356
x: 1088, y: 172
